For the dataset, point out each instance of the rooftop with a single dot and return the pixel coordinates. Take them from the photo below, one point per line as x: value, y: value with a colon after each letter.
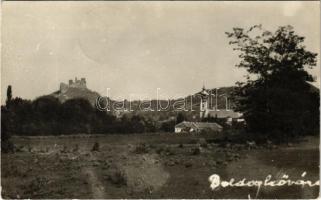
x: 198, y: 125
x: 224, y: 114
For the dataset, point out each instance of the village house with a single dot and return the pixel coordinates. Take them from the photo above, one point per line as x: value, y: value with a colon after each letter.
x: 197, y: 127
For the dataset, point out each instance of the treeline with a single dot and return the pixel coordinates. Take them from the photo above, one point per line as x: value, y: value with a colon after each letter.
x: 48, y: 116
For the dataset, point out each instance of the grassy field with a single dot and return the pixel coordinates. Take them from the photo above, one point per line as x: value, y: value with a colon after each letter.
x: 151, y: 166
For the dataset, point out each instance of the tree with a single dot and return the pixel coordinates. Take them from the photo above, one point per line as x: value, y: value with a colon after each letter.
x: 21, y: 115
x: 276, y: 97
x: 77, y: 115
x: 46, y: 108
x: 180, y: 118
x: 7, y: 124
x: 137, y: 124
x: 9, y: 95
x: 168, y: 126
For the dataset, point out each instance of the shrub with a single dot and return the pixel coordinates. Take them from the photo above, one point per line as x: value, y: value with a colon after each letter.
x: 169, y: 151
x: 160, y: 149
x: 196, y: 151
x: 96, y: 147
x: 7, y: 146
x: 117, y: 177
x: 202, y: 142
x: 141, y: 149
x: 64, y: 149
x: 76, y: 148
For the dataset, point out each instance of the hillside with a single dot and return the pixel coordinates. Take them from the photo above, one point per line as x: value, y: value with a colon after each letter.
x: 191, y: 101
x: 72, y: 93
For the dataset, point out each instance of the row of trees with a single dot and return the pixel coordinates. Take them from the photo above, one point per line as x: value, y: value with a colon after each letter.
x: 48, y: 116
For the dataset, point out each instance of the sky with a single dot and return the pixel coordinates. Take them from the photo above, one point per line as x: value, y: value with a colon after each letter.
x: 133, y: 48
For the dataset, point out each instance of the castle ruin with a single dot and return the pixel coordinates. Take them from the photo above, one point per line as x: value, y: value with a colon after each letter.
x: 73, y: 84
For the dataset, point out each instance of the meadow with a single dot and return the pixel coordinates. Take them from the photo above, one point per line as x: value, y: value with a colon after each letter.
x: 163, y: 165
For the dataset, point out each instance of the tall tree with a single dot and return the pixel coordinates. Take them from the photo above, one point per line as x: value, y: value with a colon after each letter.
x: 6, y: 124
x: 180, y: 118
x: 276, y: 97
x: 9, y: 95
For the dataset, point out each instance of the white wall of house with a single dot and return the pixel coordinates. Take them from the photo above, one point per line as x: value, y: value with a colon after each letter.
x: 178, y: 130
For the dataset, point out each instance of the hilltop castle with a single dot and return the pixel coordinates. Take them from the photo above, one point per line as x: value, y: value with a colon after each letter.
x: 73, y: 84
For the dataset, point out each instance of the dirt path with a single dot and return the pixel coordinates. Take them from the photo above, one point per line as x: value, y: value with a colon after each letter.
x: 142, y: 173
x: 145, y: 172
x: 97, y: 188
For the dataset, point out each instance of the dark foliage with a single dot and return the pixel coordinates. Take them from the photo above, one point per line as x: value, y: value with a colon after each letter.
x: 7, y: 124
x: 96, y: 147
x: 9, y: 95
x: 168, y: 126
x: 180, y: 118
x: 276, y: 99
x: 48, y: 116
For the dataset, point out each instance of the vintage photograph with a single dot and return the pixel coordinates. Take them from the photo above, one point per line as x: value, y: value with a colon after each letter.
x: 160, y: 99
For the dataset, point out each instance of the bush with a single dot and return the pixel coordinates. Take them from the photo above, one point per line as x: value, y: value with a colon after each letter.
x: 96, y: 147
x: 64, y: 149
x: 196, y: 151
x: 141, y: 149
x: 7, y: 146
x: 202, y: 142
x: 117, y: 177
x: 160, y: 149
x: 76, y: 148
x: 169, y: 151
x: 168, y: 126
